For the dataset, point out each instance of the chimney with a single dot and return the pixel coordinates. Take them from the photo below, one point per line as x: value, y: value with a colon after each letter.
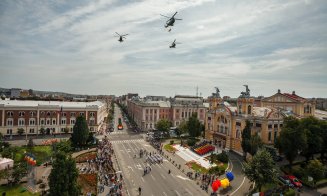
x: 293, y: 93
x: 278, y: 91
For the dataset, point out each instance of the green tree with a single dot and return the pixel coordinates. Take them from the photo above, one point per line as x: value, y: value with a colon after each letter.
x: 4, y: 174
x: 42, y: 131
x: 323, y: 135
x: 63, y: 176
x: 312, y: 128
x: 261, y: 169
x: 194, y: 126
x: 316, y: 170
x: 20, y: 131
x: 19, y: 171
x: 64, y: 146
x: 182, y: 127
x: 255, y: 144
x: 80, y: 132
x: 163, y: 125
x: 291, y: 139
x: 246, y: 139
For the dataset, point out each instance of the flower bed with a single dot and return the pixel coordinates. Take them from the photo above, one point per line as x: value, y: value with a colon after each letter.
x: 169, y: 148
x: 202, y: 150
x: 49, y: 142
x: 196, y: 167
x: 91, y: 179
x: 86, y: 156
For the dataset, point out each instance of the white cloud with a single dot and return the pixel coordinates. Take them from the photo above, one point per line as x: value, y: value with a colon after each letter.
x: 224, y: 43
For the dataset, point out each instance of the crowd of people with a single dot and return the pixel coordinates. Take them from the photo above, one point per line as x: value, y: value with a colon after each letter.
x: 107, y: 175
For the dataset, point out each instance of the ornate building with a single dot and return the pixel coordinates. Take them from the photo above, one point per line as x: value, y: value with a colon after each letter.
x: 225, y: 123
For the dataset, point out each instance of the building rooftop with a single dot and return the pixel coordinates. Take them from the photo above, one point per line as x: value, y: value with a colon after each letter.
x: 29, y: 103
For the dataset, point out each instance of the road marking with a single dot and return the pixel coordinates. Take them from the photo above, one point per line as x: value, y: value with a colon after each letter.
x: 183, y: 178
x: 177, y: 193
x: 164, y: 193
x: 152, y: 177
x: 130, y: 168
x: 188, y: 191
x: 142, y: 179
x: 163, y: 176
x: 238, y: 187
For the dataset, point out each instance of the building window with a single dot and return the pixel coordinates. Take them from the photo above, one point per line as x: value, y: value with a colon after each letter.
x: 275, y: 126
x: 249, y: 109
x: 21, y: 122
x: 92, y: 114
x: 9, y: 122
x: 147, y: 111
x: 182, y: 114
x: 21, y: 114
x: 10, y: 114
x: 91, y: 129
x: 48, y: 122
x: 177, y: 111
x: 238, y: 123
x: 48, y: 113
x: 81, y: 113
x: 53, y: 122
x: 258, y: 124
x: 269, y: 136
x: 42, y: 122
x: 269, y: 126
x: 71, y: 129
x: 238, y: 133
x: 32, y: 114
x: 42, y: 113
x: 63, y: 121
x: 32, y: 121
x: 72, y: 121
x: 72, y: 114
x: 62, y: 129
x: 31, y: 130
x: 9, y: 131
x: 63, y: 113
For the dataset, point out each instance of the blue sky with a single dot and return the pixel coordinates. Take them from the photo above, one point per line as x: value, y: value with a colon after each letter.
x: 70, y: 46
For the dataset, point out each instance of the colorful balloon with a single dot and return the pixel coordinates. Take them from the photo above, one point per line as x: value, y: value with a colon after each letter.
x: 224, y: 183
x: 215, y: 185
x: 230, y: 176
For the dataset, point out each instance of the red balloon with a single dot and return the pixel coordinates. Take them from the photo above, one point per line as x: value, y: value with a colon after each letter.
x: 215, y: 185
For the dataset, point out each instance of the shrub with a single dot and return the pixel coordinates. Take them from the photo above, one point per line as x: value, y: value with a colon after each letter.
x: 290, y: 192
x: 171, y: 142
x: 216, y: 170
x: 222, y: 157
x: 191, y: 142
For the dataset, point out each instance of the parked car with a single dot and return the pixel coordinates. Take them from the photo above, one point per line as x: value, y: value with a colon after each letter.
x: 285, y: 181
x: 296, y: 182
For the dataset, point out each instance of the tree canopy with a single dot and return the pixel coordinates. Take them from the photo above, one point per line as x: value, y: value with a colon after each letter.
x: 246, y: 138
x: 163, y: 125
x: 316, y: 169
x: 261, y: 169
x: 292, y: 139
x: 194, y: 126
x: 80, y: 132
x: 63, y: 176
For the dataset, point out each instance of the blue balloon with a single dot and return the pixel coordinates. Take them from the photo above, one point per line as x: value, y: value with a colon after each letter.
x: 230, y: 176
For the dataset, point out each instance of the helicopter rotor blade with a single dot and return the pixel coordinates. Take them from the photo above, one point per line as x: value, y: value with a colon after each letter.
x: 125, y: 35
x: 174, y: 41
x: 178, y: 19
x: 164, y: 16
x: 117, y: 33
x: 174, y: 14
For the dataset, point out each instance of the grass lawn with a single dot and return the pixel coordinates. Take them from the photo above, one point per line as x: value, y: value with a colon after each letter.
x: 41, y: 153
x: 197, y: 167
x: 16, y: 190
x: 169, y: 148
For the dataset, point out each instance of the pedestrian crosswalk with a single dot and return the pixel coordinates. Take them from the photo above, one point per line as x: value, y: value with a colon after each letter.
x: 126, y: 141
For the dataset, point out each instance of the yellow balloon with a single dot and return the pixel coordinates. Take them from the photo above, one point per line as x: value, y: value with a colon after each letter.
x: 224, y: 183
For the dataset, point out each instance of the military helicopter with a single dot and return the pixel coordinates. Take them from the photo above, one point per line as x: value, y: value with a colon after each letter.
x: 173, y: 45
x: 121, y: 37
x: 171, y: 20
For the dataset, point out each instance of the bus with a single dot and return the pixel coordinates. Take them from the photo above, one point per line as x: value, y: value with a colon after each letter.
x: 120, y: 125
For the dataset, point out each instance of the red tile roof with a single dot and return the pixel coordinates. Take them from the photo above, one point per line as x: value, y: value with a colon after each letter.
x: 295, y: 97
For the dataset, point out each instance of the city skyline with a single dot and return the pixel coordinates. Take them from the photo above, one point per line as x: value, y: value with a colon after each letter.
x: 70, y: 47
